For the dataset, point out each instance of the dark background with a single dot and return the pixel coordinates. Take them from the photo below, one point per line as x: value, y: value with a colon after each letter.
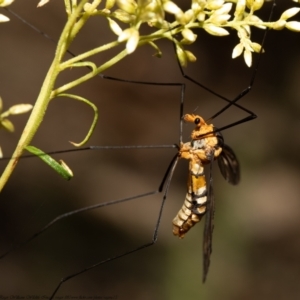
x: 257, y: 224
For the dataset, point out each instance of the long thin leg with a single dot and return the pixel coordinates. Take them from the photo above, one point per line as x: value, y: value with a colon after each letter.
x: 168, y: 176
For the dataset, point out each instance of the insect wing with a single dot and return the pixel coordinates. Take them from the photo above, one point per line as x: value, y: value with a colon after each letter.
x: 208, y: 227
x: 229, y: 165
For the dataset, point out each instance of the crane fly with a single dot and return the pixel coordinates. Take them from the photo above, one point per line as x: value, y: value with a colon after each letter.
x: 205, y: 146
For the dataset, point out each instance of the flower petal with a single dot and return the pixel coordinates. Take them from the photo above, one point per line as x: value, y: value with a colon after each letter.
x: 190, y: 56
x: 237, y: 50
x: 172, y: 8
x: 293, y: 25
x: 3, y: 18
x: 129, y: 6
x: 124, y: 36
x: 189, y: 35
x: 215, y: 30
x: 114, y: 26
x: 19, y: 109
x: 248, y: 58
x: 42, y: 2
x: 289, y: 13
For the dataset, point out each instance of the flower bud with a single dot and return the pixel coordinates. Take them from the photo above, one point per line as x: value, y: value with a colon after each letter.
x: 215, y: 30
x: 127, y: 5
x: 172, y: 8
x: 289, y: 13
x: 189, y: 35
x: 240, y: 9
x: 237, y: 50
x: 257, y: 4
x: 114, y: 26
x: 190, y: 56
x: 293, y: 25
x: 248, y: 58
x: 3, y: 18
x: 214, y: 5
x: 109, y: 4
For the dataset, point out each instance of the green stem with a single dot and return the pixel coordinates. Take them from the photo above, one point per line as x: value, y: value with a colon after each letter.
x: 33, y: 123
x: 47, y: 93
x: 69, y: 63
x: 92, y: 127
x: 43, y: 99
x: 91, y: 74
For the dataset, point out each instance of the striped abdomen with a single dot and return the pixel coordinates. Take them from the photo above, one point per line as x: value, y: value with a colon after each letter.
x: 194, y: 206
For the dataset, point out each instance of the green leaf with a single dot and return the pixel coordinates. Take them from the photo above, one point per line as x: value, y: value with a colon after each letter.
x: 60, y: 167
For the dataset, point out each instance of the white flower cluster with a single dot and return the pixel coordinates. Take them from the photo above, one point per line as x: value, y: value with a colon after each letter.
x: 134, y: 14
x: 214, y: 16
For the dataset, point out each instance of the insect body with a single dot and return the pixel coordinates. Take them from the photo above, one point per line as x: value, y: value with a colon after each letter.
x: 202, y: 149
x: 205, y: 146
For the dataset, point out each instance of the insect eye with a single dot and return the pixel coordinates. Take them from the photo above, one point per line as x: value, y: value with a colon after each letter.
x: 197, y: 121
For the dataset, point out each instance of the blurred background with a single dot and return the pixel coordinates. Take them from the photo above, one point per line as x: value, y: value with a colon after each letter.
x: 256, y: 244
